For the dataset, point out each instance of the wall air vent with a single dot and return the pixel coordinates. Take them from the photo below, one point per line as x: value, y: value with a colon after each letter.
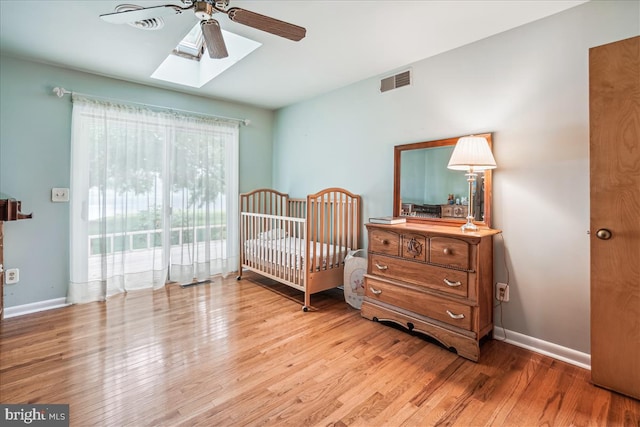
x: 394, y: 82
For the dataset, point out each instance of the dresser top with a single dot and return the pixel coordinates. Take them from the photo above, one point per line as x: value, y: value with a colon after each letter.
x: 438, y: 229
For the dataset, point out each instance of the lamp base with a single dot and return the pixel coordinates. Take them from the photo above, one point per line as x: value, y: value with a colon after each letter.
x: 469, y: 226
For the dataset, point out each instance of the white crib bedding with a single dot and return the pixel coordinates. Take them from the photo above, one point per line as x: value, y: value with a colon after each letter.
x: 290, y: 251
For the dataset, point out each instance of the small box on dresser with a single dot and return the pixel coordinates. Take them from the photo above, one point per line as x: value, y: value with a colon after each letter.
x: 432, y: 279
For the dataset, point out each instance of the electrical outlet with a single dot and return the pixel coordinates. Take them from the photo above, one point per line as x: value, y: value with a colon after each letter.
x: 12, y: 275
x: 502, y: 292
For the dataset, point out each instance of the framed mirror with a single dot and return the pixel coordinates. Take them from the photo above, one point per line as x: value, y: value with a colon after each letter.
x: 424, y: 190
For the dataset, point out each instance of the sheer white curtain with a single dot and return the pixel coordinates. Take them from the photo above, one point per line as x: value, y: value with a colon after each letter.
x: 153, y: 198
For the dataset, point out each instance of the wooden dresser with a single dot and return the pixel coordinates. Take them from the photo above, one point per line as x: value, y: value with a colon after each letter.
x: 432, y: 279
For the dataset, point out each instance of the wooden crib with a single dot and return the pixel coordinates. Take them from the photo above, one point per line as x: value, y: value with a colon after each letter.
x: 299, y: 242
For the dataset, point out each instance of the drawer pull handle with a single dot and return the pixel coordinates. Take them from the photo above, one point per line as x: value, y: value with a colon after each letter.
x: 455, y: 316
x: 375, y: 291
x: 385, y: 242
x: 452, y: 284
x: 447, y: 251
x: 381, y: 267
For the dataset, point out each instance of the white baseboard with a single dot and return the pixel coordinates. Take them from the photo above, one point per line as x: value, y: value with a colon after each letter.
x: 34, y: 307
x: 550, y: 349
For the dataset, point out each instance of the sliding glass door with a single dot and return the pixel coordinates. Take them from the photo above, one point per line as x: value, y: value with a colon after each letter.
x: 153, y: 198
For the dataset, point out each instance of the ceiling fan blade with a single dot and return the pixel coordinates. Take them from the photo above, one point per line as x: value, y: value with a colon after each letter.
x: 142, y: 14
x: 266, y: 23
x: 213, y: 39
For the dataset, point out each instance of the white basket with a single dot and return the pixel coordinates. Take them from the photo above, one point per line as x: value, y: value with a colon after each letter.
x: 354, y: 269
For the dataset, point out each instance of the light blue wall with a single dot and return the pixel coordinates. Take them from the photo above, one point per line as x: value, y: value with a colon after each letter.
x: 34, y: 157
x: 529, y: 86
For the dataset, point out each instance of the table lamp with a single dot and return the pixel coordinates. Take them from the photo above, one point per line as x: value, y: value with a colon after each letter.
x: 471, y: 154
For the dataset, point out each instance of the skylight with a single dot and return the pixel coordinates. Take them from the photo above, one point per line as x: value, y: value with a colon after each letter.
x: 192, y: 45
x: 190, y: 65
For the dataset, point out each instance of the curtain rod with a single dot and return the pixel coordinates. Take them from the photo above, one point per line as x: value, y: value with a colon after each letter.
x: 60, y: 92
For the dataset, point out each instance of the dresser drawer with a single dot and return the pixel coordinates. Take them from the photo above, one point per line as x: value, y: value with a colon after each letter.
x: 414, y: 300
x: 454, y: 282
x: 384, y: 242
x: 449, y: 251
x: 414, y: 246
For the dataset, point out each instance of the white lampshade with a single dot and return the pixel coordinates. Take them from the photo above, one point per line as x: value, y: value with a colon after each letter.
x: 472, y: 152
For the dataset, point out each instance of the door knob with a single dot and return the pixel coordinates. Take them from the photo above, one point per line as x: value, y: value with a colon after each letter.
x: 603, y: 234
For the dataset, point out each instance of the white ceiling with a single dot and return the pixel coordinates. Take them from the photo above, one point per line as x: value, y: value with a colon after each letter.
x: 347, y: 41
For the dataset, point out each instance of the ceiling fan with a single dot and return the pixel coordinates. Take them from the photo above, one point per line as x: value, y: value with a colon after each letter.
x: 204, y: 10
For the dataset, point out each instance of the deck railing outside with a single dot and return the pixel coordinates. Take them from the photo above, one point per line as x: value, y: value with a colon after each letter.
x: 148, y: 239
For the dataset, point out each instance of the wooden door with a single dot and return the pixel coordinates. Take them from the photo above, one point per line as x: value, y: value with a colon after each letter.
x: 614, y: 113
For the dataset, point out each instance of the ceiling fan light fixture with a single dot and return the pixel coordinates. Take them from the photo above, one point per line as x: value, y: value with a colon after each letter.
x: 203, y: 10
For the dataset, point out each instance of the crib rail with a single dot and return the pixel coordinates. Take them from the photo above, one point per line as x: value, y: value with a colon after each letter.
x: 333, y: 218
x: 297, y: 208
x: 273, y: 246
x: 266, y: 201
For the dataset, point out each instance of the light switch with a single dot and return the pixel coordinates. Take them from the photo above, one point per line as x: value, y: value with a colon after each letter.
x: 59, y: 194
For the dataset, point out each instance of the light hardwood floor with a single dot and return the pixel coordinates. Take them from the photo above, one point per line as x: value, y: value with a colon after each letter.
x: 243, y: 353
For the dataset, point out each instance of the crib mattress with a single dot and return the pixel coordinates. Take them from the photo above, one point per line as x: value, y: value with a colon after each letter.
x: 290, y: 252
